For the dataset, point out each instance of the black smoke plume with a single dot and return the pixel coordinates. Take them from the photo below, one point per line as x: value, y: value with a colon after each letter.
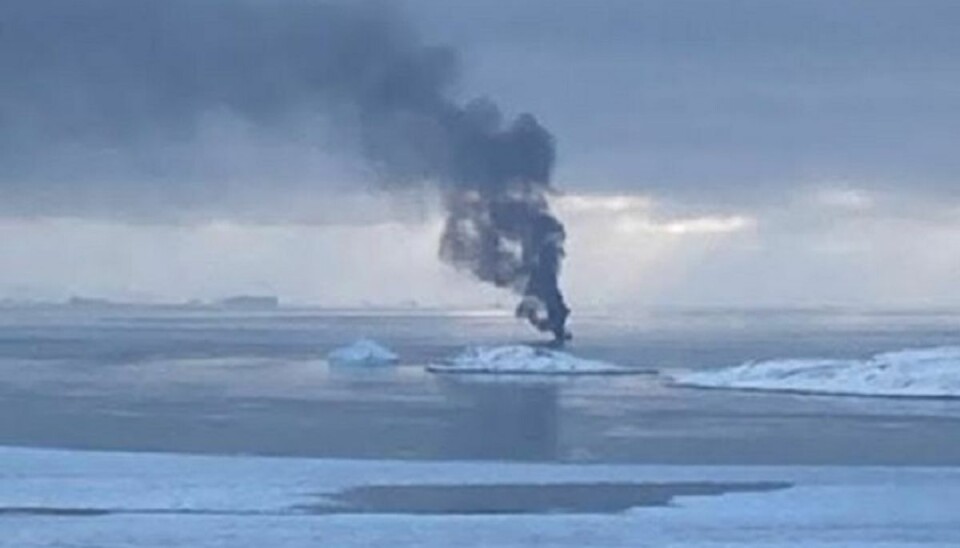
x: 130, y: 77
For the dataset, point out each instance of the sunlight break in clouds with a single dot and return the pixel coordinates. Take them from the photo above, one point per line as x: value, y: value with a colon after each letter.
x: 624, y: 250
x: 632, y: 214
x: 340, y: 263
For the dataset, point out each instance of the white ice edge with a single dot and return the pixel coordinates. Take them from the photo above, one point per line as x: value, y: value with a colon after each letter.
x: 524, y: 360
x: 916, y: 373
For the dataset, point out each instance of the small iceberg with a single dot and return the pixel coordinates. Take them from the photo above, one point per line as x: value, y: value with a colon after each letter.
x: 921, y: 373
x: 525, y: 360
x: 363, y: 352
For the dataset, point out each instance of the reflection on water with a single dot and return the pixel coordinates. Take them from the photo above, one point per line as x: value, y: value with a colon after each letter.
x: 502, y: 420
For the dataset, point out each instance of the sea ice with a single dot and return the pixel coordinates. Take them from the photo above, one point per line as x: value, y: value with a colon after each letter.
x: 363, y: 352
x: 920, y: 373
x: 53, y: 499
x: 520, y: 359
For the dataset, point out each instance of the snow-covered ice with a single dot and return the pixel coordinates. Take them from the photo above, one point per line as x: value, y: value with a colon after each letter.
x: 112, y: 500
x: 521, y: 359
x: 363, y: 352
x: 919, y: 373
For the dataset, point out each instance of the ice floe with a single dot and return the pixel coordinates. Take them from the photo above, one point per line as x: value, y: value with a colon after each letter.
x: 525, y: 360
x: 363, y: 352
x: 919, y: 373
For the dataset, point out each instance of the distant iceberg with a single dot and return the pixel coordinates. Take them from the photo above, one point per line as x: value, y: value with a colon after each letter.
x: 520, y: 359
x: 920, y: 373
x: 363, y: 352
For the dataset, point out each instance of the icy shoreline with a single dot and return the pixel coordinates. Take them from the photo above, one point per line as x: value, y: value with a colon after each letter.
x: 919, y: 373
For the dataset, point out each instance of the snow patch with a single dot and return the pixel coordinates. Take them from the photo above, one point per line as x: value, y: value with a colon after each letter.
x: 363, y: 352
x: 920, y: 373
x: 524, y: 360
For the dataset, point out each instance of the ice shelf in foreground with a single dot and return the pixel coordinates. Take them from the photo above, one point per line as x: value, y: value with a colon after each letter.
x: 525, y: 360
x: 52, y: 499
x: 363, y: 352
x: 920, y: 373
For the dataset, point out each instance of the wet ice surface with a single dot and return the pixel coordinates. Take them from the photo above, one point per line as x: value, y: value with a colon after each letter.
x: 520, y: 498
x: 58, y: 498
x: 559, y: 498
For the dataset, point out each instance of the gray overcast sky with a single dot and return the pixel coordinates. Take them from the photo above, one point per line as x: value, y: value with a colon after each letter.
x: 799, y: 151
x: 701, y: 101
x: 734, y: 99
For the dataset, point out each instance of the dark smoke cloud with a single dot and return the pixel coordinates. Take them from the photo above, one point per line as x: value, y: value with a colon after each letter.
x: 113, y: 92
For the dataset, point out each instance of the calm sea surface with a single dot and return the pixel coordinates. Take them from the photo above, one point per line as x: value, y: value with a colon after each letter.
x: 236, y: 382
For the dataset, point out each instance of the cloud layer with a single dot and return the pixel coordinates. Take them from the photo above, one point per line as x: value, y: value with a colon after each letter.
x: 139, y: 107
x: 728, y: 102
